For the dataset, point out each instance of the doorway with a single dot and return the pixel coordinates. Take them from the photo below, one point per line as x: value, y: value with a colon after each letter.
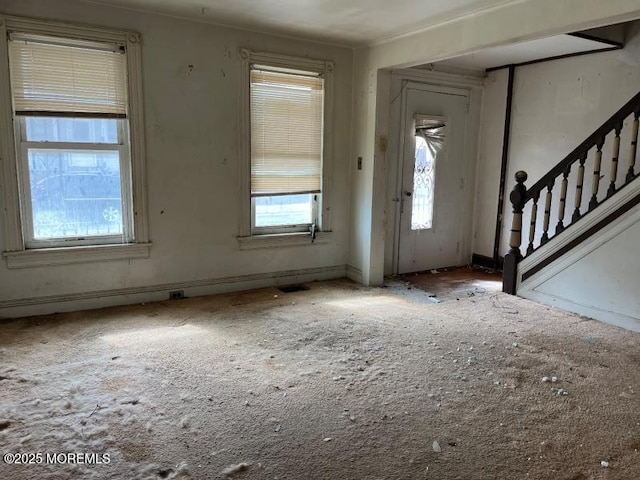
x: 432, y: 178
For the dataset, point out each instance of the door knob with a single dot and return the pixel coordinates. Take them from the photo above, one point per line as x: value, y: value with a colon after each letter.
x: 408, y: 194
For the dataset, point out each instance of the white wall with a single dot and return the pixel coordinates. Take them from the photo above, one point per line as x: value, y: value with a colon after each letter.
x: 556, y: 105
x: 362, y: 179
x: 600, y: 284
x: 192, y: 164
x: 491, y: 133
x: 512, y: 22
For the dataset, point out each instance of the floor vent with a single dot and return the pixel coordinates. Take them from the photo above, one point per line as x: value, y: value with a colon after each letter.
x: 293, y: 288
x: 176, y: 295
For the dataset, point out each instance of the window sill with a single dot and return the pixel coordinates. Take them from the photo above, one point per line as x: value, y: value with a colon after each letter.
x: 283, y: 240
x: 46, y: 257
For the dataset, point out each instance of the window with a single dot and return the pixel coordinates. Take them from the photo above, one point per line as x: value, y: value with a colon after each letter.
x: 74, y: 191
x: 286, y: 148
x: 429, y: 142
x: 73, y: 153
x: 74, y: 111
x: 288, y: 105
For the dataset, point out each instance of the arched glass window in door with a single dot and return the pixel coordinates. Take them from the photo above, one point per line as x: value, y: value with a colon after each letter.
x: 429, y: 142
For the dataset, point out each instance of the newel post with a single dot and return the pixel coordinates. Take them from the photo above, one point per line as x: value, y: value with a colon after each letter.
x: 512, y: 258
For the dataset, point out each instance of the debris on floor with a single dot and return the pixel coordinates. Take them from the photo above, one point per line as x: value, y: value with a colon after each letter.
x: 204, y: 358
x: 233, y: 469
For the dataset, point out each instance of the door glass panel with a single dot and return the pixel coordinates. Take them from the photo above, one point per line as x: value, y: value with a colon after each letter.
x: 429, y: 141
x: 423, y: 179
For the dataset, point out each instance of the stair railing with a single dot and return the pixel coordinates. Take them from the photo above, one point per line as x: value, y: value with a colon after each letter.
x: 525, y: 200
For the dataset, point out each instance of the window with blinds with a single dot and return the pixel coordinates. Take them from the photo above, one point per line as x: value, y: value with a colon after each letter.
x: 287, y: 113
x: 67, y: 78
x: 70, y: 105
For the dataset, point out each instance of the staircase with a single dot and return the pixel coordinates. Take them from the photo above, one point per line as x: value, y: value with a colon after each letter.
x: 562, y: 214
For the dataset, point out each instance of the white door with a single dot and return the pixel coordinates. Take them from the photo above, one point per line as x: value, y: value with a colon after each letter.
x: 432, y: 184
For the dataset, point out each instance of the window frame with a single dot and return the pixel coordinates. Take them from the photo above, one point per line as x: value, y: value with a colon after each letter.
x: 19, y: 253
x: 285, y: 228
x: 270, y: 236
x: 22, y: 153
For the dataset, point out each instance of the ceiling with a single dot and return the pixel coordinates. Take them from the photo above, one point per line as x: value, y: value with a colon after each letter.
x: 344, y: 22
x: 364, y: 22
x: 523, y: 52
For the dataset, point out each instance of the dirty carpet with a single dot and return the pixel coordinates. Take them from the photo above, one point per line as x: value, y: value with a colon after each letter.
x: 335, y: 382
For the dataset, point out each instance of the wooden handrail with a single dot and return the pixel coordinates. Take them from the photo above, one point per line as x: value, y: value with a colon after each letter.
x: 591, y: 141
x: 521, y: 195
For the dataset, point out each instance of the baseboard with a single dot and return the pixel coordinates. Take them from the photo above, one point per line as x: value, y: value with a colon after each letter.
x: 478, y: 260
x: 354, y: 274
x: 612, y: 318
x: 21, y: 307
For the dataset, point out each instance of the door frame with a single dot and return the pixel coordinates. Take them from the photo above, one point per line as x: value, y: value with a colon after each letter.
x: 417, y: 79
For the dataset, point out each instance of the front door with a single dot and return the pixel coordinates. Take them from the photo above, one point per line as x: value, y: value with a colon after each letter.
x: 432, y: 199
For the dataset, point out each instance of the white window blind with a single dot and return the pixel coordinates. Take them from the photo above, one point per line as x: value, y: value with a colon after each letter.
x: 66, y: 77
x: 286, y: 132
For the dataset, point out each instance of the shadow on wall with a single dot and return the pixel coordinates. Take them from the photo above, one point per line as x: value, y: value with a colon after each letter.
x: 630, y: 54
